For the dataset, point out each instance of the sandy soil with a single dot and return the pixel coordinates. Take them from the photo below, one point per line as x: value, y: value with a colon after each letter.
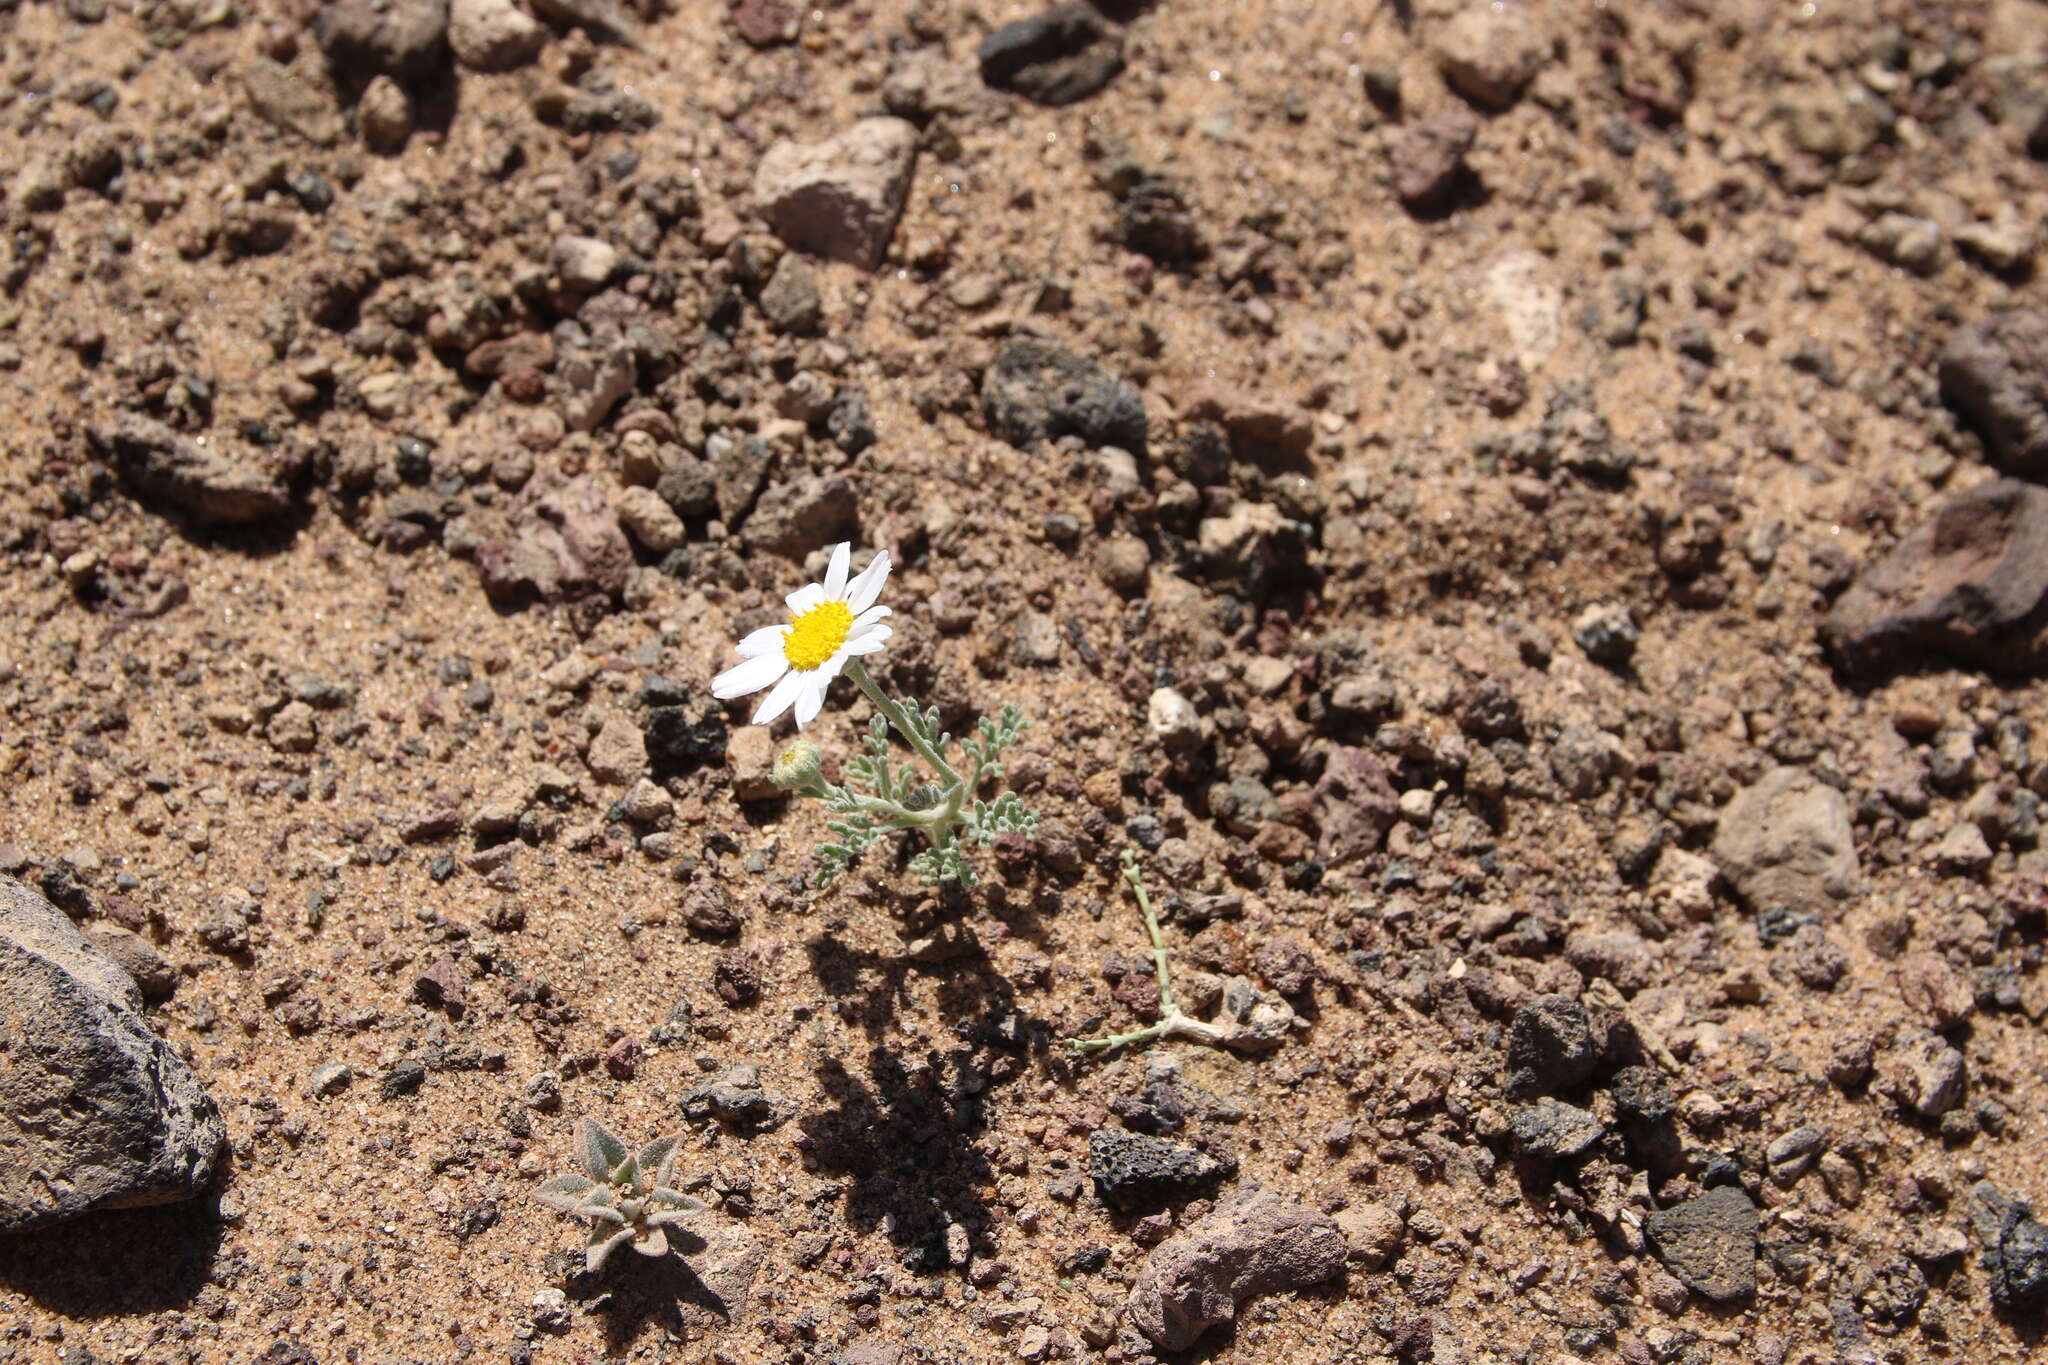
x: 1644, y: 351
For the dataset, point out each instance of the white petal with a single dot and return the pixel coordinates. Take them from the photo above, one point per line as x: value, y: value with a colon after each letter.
x: 866, y: 620
x: 835, y: 574
x: 751, y: 676
x: 811, y: 699
x: 766, y: 640
x: 870, y: 643
x: 804, y: 598
x: 778, y: 700
x: 867, y: 586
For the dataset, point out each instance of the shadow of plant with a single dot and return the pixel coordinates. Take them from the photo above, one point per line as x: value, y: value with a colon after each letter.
x: 642, y: 1291
x: 901, y: 1125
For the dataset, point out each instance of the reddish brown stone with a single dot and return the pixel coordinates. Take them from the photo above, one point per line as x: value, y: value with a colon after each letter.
x: 766, y: 23
x: 1971, y: 582
x: 1428, y: 156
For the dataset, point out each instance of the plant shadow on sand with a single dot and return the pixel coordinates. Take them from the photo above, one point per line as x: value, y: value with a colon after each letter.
x: 117, y: 1262
x: 642, y: 1291
x: 900, y: 1126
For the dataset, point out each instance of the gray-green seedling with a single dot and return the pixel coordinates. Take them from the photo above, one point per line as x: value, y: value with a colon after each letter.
x: 625, y: 1195
x: 832, y: 626
x: 881, y: 796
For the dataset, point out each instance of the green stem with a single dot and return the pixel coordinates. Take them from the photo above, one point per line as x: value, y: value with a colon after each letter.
x: 1137, y: 884
x: 938, y: 822
x: 900, y: 722
x: 1171, y: 1022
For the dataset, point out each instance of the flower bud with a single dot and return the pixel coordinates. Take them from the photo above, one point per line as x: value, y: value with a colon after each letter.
x: 799, y: 766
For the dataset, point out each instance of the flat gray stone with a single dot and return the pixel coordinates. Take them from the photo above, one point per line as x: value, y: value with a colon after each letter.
x: 1786, y: 840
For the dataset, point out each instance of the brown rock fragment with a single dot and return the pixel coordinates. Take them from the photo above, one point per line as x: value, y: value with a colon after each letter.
x: 1970, y: 582
x: 839, y: 198
x: 1257, y: 1242
x: 1428, y: 155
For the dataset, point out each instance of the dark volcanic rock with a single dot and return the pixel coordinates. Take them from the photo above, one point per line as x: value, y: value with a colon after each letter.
x: 2015, y: 1249
x: 204, y: 480
x: 1996, y: 373
x: 1257, y: 1242
x: 1058, y: 57
x: 1971, y: 582
x: 680, y: 737
x: 96, y: 1111
x: 1154, y: 219
x: 1709, y: 1243
x: 1550, y: 1046
x: 1135, y: 1171
x: 1036, y: 391
x: 1553, y: 1130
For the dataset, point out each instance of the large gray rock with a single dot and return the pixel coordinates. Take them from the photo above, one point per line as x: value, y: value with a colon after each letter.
x: 1257, y: 1242
x: 493, y: 35
x: 795, y: 518
x: 1787, y: 841
x: 839, y: 198
x: 1970, y: 582
x: 96, y: 1111
x: 1488, y: 52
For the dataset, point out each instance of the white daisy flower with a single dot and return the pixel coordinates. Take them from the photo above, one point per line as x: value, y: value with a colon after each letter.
x: 829, y: 623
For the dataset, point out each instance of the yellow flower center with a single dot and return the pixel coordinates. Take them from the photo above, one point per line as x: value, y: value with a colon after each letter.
x: 815, y: 635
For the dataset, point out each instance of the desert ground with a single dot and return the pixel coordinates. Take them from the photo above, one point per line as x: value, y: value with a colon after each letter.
x: 1520, y: 518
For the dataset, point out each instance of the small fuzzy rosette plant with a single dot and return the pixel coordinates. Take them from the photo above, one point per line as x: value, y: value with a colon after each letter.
x: 625, y: 1195
x: 832, y: 626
